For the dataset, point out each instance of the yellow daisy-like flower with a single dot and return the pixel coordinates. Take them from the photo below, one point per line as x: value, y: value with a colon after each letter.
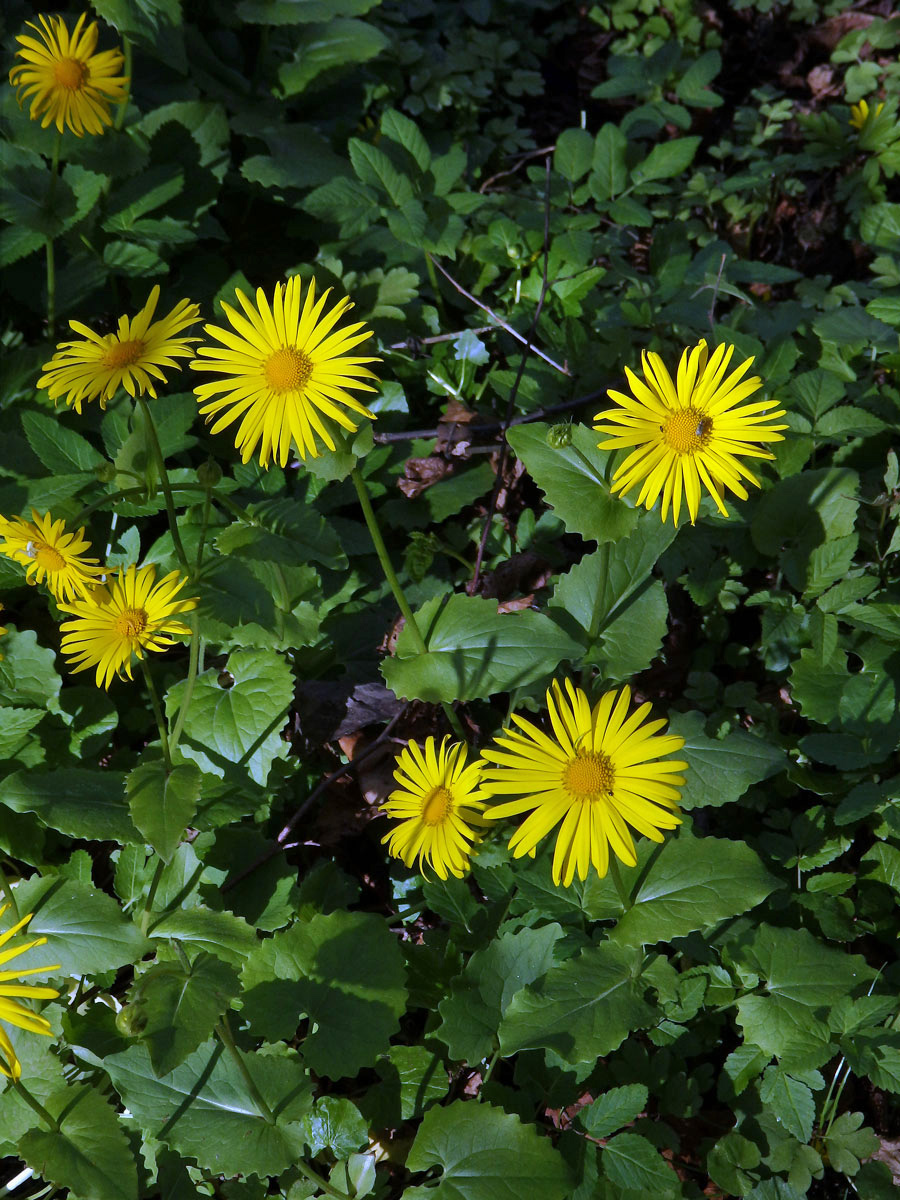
x: 11, y: 1010
x: 438, y: 799
x: 860, y: 114
x: 598, y: 775
x: 132, y: 357
x: 128, y: 616
x: 51, y: 555
x: 69, y: 84
x: 688, y: 432
x: 287, y: 373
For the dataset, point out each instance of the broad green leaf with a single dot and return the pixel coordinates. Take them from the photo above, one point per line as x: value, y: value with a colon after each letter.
x: 76, y: 801
x: 335, y: 1124
x: 345, y: 971
x: 412, y: 1079
x: 846, y: 1143
x: 486, y: 1154
x: 89, y: 1154
x: 236, y: 715
x: 474, y: 651
x: 691, y: 884
x: 181, y: 1006
x: 204, y: 1108
x: 163, y: 802
x: 339, y: 43
x: 28, y: 672
x: 406, y: 133
x: 575, y: 480
x: 879, y: 226
x: 801, y: 976
x: 372, y: 166
x: 220, y: 933
x: 615, y: 1108
x: 666, y: 160
x: 573, y: 154
x: 630, y: 1161
x: 481, y: 995
x: 59, y: 448
x: 790, y: 1101
x: 86, y: 930
x: 283, y: 532
x: 293, y: 12
x: 610, y: 172
x: 597, y: 590
x: 580, y: 1010
x: 720, y: 771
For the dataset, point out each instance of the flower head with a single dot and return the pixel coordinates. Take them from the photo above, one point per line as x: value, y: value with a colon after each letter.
x: 438, y: 799
x: 287, y: 373
x: 688, y: 432
x: 598, y: 774
x: 51, y: 555
x: 69, y: 84
x: 129, y: 615
x: 860, y: 114
x: 95, y: 367
x: 11, y: 1010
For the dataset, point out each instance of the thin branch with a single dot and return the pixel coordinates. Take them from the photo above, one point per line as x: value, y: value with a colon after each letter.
x: 513, y: 392
x: 412, y: 342
x: 503, y: 324
x: 523, y: 159
x: 412, y: 435
x: 344, y: 769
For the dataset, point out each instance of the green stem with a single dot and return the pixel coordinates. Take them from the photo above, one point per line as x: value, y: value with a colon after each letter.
x: 123, y: 107
x: 204, y: 526
x: 151, y: 896
x: 158, y: 714
x: 51, y: 257
x: 488, y: 1073
x: 223, y: 1030
x: 433, y: 280
x: 128, y: 494
x: 316, y: 1178
x: 617, y: 880
x: 9, y: 895
x: 394, y: 583
x: 35, y: 1104
x: 164, y: 481
x: 189, y: 685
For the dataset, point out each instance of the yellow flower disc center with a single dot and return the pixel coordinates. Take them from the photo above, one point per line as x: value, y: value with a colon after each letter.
x: 131, y: 622
x: 686, y: 430
x: 70, y: 73
x: 47, y: 557
x: 123, y: 354
x: 287, y: 370
x: 588, y: 776
x: 437, y: 807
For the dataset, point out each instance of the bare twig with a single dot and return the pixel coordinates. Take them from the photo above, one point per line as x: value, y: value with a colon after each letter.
x: 412, y: 342
x: 412, y: 435
x: 523, y: 159
x: 513, y: 392
x: 344, y: 769
x: 563, y: 370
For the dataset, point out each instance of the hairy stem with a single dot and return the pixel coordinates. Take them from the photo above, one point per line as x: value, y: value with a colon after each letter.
x: 164, y: 483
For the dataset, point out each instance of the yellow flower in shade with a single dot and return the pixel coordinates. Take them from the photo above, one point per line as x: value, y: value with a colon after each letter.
x: 689, y: 432
x: 51, y: 555
x: 129, y: 615
x: 860, y: 114
x: 287, y: 373
x: 598, y: 774
x: 70, y: 85
x: 132, y: 357
x: 11, y: 1010
x: 438, y: 799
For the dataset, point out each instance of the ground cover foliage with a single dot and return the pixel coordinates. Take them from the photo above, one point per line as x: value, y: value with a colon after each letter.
x: 255, y: 998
